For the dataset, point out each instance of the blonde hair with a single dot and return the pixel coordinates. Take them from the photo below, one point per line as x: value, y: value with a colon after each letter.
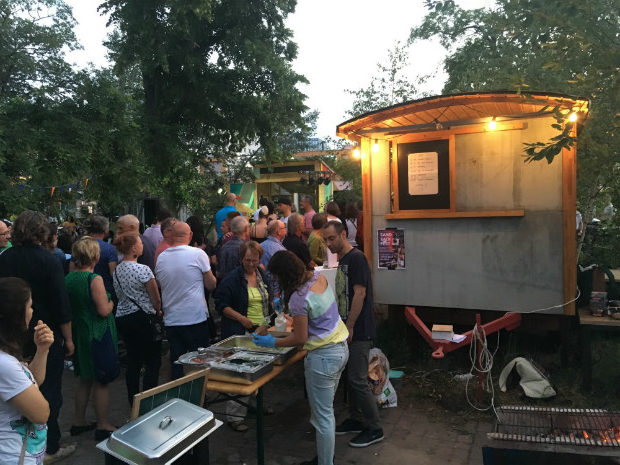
x: 85, y: 252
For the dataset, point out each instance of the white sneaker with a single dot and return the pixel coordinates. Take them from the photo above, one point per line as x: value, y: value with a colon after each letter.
x: 63, y: 452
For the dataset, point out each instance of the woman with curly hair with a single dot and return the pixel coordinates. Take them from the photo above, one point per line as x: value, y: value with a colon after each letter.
x: 322, y: 333
x: 29, y: 260
x: 23, y: 409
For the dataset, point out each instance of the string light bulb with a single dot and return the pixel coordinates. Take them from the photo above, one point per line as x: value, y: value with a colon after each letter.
x: 357, y: 154
x: 572, y: 117
x: 375, y: 146
x: 492, y: 124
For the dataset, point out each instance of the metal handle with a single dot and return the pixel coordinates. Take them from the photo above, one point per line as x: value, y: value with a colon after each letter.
x: 165, y: 422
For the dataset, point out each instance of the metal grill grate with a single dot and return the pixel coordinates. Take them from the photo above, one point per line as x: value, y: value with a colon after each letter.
x: 581, y: 427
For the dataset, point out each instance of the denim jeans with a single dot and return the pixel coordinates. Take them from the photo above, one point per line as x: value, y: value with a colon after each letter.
x: 323, y: 368
x: 362, y: 403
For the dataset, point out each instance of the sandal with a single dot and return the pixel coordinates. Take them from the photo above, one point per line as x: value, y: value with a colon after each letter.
x: 60, y: 454
x: 238, y: 426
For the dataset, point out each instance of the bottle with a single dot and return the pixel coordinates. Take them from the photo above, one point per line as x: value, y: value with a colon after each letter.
x: 280, y: 321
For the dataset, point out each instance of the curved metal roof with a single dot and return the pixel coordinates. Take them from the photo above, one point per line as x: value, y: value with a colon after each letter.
x: 459, y: 109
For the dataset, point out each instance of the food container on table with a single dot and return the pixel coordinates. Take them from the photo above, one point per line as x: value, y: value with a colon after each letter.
x: 242, y: 367
x: 245, y: 343
x: 598, y: 303
x: 202, y: 358
x: 163, y: 434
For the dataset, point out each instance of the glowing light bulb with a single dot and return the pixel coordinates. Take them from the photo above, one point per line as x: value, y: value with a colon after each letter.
x: 375, y: 146
x: 357, y: 154
x: 572, y: 117
x: 492, y: 124
x: 220, y: 190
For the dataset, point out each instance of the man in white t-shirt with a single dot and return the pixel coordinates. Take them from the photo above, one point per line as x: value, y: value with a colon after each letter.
x: 183, y: 272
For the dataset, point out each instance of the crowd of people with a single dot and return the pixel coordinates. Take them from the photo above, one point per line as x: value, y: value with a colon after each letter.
x: 145, y: 286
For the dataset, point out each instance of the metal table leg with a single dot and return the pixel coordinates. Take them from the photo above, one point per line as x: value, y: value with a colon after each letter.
x: 260, y: 440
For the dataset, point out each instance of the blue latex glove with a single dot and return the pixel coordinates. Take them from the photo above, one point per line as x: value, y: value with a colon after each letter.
x: 264, y: 341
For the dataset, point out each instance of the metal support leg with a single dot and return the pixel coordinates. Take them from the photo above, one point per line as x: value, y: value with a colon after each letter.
x: 260, y: 440
x: 586, y: 358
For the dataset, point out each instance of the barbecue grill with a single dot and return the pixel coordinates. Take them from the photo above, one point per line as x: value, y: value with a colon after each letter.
x: 562, y: 432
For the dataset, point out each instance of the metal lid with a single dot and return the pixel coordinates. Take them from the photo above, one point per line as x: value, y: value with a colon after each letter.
x: 161, y: 429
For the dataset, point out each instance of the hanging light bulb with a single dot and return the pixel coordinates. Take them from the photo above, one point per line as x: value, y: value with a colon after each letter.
x: 492, y: 124
x: 357, y: 154
x: 375, y: 146
x: 572, y: 117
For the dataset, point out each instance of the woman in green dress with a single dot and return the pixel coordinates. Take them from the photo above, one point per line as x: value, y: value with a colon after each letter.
x: 92, y: 318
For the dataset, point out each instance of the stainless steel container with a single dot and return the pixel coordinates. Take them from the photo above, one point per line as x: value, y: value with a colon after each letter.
x: 242, y: 367
x: 245, y: 343
x: 161, y: 435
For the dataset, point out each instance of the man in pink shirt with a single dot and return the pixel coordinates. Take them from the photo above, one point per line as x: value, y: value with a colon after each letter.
x: 167, y: 232
x: 306, y: 204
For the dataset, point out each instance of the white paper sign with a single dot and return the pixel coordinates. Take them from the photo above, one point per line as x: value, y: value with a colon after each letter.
x: 423, y: 173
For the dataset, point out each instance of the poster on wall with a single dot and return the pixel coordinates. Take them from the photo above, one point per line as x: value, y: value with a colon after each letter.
x: 423, y: 173
x: 391, y: 242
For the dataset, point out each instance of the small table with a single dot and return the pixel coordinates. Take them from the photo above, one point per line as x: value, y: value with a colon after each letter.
x: 256, y: 388
x: 586, y: 323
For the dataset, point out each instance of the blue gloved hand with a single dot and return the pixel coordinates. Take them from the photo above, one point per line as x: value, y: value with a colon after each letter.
x: 264, y: 341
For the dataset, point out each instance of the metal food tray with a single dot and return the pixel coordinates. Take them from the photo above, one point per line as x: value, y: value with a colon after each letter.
x: 245, y: 343
x: 243, y: 373
x: 161, y: 435
x: 203, y: 357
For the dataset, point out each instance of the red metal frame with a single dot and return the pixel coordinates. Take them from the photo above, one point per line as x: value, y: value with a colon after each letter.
x: 508, y: 322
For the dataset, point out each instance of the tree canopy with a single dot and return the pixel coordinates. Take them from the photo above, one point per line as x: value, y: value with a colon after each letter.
x: 566, y: 46
x: 217, y: 79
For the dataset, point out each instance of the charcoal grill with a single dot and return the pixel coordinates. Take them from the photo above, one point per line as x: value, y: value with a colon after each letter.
x: 562, y: 431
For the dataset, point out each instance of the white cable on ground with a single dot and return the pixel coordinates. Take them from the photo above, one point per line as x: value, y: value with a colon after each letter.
x: 486, y: 365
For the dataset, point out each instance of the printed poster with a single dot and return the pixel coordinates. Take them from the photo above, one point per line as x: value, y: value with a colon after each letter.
x: 423, y: 173
x: 391, y: 248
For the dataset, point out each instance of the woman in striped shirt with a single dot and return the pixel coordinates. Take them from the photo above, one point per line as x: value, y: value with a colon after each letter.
x: 322, y: 333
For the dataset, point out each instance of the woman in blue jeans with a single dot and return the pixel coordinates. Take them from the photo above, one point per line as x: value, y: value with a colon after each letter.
x: 322, y: 333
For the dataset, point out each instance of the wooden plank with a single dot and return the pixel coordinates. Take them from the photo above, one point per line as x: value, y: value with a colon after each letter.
x: 366, y: 150
x: 250, y: 389
x: 394, y: 179
x: 452, y: 162
x: 422, y: 214
x: 446, y: 133
x: 586, y: 318
x: 171, y: 385
x: 569, y: 239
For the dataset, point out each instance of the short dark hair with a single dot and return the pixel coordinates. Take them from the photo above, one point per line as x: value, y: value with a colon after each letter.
x: 125, y: 242
x: 162, y: 214
x: 285, y: 201
x: 30, y: 227
x: 14, y: 295
x: 97, y: 225
x: 332, y: 208
x: 232, y: 214
x: 319, y: 220
x: 338, y: 226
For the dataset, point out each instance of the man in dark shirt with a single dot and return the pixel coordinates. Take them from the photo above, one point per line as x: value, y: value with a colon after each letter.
x: 354, y: 296
x: 228, y: 256
x: 28, y: 260
x: 294, y: 242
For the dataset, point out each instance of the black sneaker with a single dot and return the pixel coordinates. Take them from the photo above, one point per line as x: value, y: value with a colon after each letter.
x: 349, y: 426
x: 366, y: 438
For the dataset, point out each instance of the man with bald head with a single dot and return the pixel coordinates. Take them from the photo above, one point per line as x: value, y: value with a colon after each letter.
x: 183, y: 273
x: 127, y: 224
x: 4, y: 236
x: 229, y: 205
